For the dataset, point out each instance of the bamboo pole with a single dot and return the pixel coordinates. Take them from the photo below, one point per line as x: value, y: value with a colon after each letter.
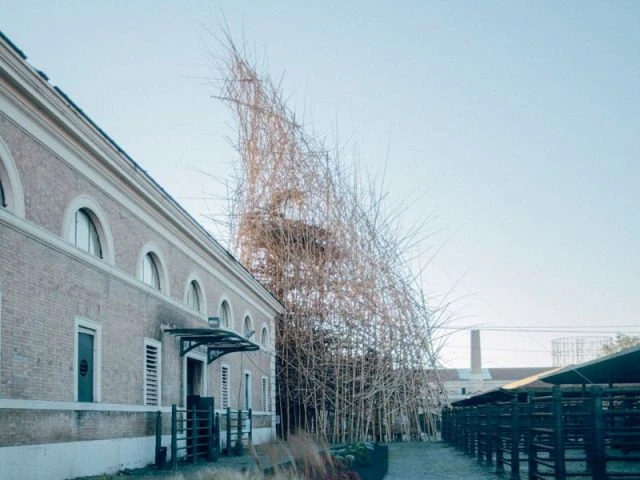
x: 356, y: 346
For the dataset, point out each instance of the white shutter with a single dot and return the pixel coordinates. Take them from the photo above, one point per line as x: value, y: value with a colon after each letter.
x: 151, y: 373
x: 224, y: 387
x: 265, y: 394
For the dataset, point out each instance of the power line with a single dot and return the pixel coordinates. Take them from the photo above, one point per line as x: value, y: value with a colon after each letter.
x: 611, y: 331
x: 489, y: 326
x: 460, y: 347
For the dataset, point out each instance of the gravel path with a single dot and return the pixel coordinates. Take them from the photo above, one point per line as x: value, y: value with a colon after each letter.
x: 407, y: 461
x: 433, y: 461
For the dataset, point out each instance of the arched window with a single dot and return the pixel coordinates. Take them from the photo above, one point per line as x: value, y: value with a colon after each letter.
x: 85, y: 226
x: 264, y: 337
x: 11, y: 193
x: 85, y: 234
x: 193, y: 296
x: 152, y: 268
x: 150, y: 274
x: 248, y: 328
x: 225, y: 317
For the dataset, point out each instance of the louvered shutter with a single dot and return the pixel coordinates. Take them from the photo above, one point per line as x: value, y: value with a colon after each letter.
x: 152, y: 375
x: 224, y: 378
x: 265, y: 395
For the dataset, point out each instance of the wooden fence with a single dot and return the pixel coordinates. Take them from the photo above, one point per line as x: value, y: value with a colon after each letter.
x: 554, y: 434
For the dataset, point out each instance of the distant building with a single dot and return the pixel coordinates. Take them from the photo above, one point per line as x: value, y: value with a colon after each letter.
x: 573, y: 350
x: 104, y: 279
x: 461, y: 383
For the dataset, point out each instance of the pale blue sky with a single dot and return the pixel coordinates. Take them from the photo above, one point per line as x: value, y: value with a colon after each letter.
x: 516, y: 123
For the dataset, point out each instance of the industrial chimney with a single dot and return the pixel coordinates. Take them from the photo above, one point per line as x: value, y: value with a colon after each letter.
x: 476, y: 353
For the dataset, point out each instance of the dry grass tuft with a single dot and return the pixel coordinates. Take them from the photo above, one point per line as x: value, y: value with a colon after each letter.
x: 308, y: 456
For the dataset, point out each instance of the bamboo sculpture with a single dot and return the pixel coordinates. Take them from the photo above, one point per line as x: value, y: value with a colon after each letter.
x: 356, y: 347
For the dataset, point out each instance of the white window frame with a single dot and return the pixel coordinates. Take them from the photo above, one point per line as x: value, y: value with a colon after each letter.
x: 92, y: 231
x: 152, y: 278
x: 11, y: 184
x: 248, y: 395
x: 247, y: 325
x: 161, y: 265
x: 225, y: 402
x: 230, y: 323
x: 199, y: 289
x: 99, y: 220
x: 158, y: 346
x: 265, y: 333
x: 88, y: 326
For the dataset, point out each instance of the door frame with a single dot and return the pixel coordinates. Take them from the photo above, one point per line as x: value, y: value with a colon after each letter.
x: 83, y: 325
x: 200, y: 357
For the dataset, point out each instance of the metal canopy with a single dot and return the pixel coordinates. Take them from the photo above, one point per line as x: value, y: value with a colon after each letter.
x: 620, y: 367
x: 218, y: 341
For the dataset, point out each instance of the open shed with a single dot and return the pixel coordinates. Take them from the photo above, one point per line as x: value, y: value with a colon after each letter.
x: 618, y: 368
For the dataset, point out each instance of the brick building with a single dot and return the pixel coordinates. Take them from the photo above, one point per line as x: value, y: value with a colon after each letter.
x: 97, y: 263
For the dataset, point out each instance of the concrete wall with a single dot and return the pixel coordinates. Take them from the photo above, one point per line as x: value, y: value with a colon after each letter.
x: 53, y: 461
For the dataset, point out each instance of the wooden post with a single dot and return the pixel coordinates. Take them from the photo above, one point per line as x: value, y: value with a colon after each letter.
x: 529, y: 436
x: 515, y: 439
x: 228, y: 431
x: 194, y: 433
x: 462, y: 429
x: 465, y: 430
x: 159, y: 460
x: 210, y: 434
x: 477, y: 427
x: 469, y: 427
x: 598, y: 453
x: 216, y: 432
x: 499, y: 443
x: 491, y: 431
x: 174, y: 434
x: 455, y: 420
x: 531, y: 441
x: 238, y: 446
x: 558, y: 434
x: 445, y: 425
x: 481, y: 432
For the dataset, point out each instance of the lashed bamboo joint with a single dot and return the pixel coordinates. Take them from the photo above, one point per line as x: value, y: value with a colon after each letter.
x: 355, y: 347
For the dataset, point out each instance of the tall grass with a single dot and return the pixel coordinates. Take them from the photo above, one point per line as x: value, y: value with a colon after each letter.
x: 300, y: 458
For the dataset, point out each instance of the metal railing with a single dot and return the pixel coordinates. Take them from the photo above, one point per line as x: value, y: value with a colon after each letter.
x: 239, y: 429
x: 571, y: 433
x: 194, y: 434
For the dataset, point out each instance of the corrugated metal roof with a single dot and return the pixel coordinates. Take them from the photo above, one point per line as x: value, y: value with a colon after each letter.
x: 500, y: 374
x: 507, y: 374
x: 509, y: 390
x: 532, y: 381
x: 620, y: 367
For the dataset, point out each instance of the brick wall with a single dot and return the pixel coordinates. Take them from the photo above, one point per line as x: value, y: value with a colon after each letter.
x: 28, y: 427
x: 45, y: 289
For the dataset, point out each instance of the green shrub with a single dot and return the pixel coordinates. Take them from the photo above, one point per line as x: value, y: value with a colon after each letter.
x: 358, y: 453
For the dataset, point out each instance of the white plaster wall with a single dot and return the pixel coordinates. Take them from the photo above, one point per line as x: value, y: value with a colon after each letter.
x: 56, y: 461
x: 262, y: 435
